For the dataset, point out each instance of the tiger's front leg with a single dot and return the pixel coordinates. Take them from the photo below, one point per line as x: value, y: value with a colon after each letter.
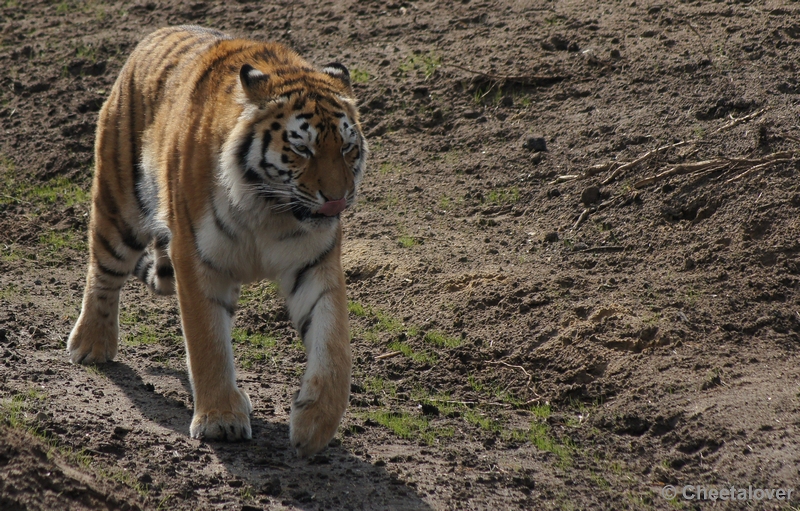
x: 207, y: 302
x: 317, y: 304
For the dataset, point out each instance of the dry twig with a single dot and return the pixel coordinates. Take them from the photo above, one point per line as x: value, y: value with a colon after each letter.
x: 388, y: 355
x: 617, y: 169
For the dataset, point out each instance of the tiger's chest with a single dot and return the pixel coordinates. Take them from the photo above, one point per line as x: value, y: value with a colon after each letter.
x: 263, y: 246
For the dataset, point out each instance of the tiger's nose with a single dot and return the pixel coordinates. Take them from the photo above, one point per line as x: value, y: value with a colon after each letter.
x: 333, y: 207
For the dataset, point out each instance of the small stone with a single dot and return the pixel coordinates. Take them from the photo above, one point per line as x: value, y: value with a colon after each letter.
x: 555, y: 192
x: 429, y: 409
x: 590, y: 195
x: 420, y: 92
x: 615, y: 54
x: 535, y: 144
x: 471, y: 114
x: 551, y: 237
x: 272, y: 487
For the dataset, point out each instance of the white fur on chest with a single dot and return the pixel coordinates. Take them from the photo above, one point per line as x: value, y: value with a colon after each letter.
x: 271, y: 246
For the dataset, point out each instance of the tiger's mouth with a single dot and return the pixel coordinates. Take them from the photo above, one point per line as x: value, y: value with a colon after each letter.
x: 331, y: 209
x: 304, y: 213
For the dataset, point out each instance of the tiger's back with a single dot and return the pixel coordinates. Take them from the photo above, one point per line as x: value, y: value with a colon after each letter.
x: 235, y: 159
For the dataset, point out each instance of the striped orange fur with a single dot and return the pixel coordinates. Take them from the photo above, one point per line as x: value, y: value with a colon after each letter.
x: 222, y: 161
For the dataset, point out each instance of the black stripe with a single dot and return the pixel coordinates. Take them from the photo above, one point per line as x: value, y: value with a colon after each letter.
x: 230, y: 309
x: 129, y: 238
x: 227, y: 231
x: 252, y: 177
x: 288, y: 93
x: 109, y: 271
x: 107, y: 246
x: 244, y: 149
x: 162, y: 240
x: 304, y: 116
x: 266, y: 54
x: 106, y: 199
x: 305, y: 326
x: 306, y: 323
x: 213, y: 65
x: 143, y: 266
x: 165, y: 272
x: 266, y: 140
x: 136, y: 173
x: 298, y: 280
x: 197, y: 250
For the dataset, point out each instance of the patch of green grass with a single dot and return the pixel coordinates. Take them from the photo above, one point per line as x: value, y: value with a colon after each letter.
x: 427, y: 64
x: 480, y: 420
x: 63, y: 8
x: 386, y: 322
x: 541, y: 412
x: 58, y: 190
x: 416, y: 356
x: 539, y: 435
x: 494, y: 391
x: 388, y: 167
x: 55, y: 242
x: 377, y: 385
x: 14, y: 411
x: 356, y: 309
x: 253, y: 348
x: 475, y: 384
x: 410, y: 427
x: 406, y: 241
x: 359, y: 76
x: 441, y: 340
x: 445, y: 202
x: 11, y: 290
x: 145, y: 335
x: 258, y: 293
x: 86, y: 52
x: 503, y: 196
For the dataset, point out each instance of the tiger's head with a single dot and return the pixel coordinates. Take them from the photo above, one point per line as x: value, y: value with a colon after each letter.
x: 299, y: 144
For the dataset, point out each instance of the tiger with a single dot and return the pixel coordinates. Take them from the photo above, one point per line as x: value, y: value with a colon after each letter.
x: 221, y: 161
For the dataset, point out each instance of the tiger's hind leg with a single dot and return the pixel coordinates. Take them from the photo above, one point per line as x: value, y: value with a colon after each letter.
x: 117, y: 236
x: 114, y: 249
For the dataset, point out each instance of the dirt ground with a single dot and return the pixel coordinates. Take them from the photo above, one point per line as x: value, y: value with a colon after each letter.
x: 573, y: 270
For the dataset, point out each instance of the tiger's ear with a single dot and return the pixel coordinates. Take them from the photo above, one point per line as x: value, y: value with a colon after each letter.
x: 254, y: 82
x: 339, y: 72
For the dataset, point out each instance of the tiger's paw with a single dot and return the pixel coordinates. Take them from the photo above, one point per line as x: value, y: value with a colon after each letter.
x: 314, y: 422
x: 229, y: 424
x: 92, y: 342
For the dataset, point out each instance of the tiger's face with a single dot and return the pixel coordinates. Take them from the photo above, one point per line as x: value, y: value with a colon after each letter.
x: 305, y: 150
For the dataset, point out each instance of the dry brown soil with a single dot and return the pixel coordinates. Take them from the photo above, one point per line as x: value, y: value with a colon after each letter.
x: 522, y: 340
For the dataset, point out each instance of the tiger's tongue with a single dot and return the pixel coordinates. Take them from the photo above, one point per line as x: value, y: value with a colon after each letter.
x: 333, y: 207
